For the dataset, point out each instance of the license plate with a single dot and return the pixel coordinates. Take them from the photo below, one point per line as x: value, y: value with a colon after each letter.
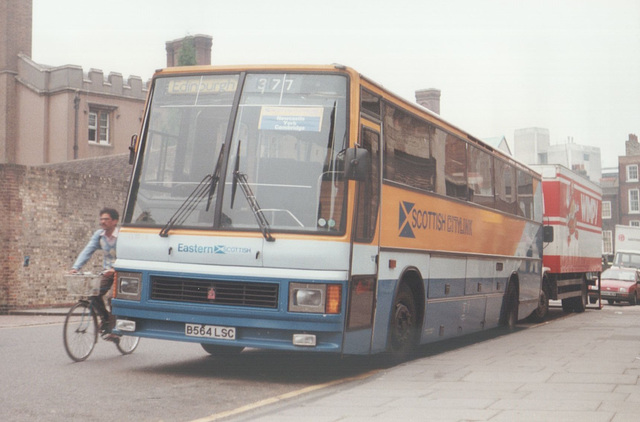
x: 607, y: 293
x: 210, y: 331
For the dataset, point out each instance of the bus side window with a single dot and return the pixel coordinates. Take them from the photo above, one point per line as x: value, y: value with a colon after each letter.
x: 480, y: 171
x: 455, y: 168
x: 409, y: 158
x: 525, y: 194
x: 505, y: 186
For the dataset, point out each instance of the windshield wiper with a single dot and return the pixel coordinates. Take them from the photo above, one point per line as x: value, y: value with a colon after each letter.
x: 253, y: 203
x: 207, y: 186
x: 241, y: 179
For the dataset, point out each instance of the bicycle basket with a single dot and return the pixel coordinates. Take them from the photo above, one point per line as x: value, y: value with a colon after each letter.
x: 83, y: 284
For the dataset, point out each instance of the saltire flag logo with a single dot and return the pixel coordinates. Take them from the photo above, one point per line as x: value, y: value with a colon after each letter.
x: 404, y: 226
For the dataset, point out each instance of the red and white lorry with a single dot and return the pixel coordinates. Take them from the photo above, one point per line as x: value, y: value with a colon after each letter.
x: 572, y: 254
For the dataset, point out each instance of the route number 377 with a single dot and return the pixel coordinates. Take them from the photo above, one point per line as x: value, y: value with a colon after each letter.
x: 274, y: 84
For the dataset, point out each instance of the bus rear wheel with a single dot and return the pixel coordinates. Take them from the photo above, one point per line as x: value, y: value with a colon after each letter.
x: 403, y: 328
x: 542, y: 310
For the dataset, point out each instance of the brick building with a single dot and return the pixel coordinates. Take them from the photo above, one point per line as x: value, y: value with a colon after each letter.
x: 629, y: 188
x: 64, y: 138
x: 14, y: 16
x: 610, y: 209
x: 55, y: 114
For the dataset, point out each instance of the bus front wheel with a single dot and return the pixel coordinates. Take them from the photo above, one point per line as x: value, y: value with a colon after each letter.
x: 403, y: 326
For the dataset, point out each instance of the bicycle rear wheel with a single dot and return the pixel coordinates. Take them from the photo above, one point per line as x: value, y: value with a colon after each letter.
x: 80, y: 332
x: 127, y: 344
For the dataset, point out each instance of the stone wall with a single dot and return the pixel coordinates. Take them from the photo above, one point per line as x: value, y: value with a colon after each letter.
x: 46, y: 217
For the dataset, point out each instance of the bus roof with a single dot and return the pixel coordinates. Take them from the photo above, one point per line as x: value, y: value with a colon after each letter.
x: 335, y: 67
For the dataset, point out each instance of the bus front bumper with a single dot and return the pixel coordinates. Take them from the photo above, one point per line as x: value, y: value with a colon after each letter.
x: 265, y: 333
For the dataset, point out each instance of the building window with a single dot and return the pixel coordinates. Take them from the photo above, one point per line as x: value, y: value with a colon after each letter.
x: 606, y: 209
x: 607, y: 242
x: 632, y: 173
x: 634, y: 201
x: 634, y: 223
x: 99, y: 126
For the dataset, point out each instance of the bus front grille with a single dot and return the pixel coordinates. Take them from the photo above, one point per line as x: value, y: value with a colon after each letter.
x: 233, y: 293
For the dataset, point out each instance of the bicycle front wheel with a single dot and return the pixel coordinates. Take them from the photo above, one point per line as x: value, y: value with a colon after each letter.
x: 127, y: 344
x: 80, y: 331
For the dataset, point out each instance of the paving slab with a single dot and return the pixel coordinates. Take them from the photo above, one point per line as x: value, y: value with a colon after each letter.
x: 581, y: 367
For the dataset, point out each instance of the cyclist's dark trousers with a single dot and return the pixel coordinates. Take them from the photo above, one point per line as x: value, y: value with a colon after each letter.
x: 105, y: 286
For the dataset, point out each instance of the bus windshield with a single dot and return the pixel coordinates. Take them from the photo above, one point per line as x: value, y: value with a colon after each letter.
x: 266, y: 158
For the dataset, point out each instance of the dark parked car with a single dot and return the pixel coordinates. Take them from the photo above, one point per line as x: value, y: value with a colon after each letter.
x: 620, y: 285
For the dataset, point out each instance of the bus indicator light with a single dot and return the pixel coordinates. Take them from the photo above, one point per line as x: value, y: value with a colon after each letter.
x: 334, y: 298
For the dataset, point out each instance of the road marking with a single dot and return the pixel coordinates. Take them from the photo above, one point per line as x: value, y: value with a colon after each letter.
x: 281, y: 397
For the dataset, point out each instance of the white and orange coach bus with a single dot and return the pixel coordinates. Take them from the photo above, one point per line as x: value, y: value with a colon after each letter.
x: 308, y: 208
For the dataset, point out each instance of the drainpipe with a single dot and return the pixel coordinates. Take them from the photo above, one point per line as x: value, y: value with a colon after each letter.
x: 76, y: 107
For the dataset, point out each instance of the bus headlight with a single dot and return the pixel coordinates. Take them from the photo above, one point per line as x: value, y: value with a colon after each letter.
x: 315, y: 298
x: 308, y: 297
x: 129, y: 286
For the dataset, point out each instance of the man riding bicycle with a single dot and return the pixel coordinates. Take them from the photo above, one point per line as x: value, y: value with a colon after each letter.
x: 105, y: 239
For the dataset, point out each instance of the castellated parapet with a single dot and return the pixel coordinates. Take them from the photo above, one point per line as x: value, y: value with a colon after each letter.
x: 51, y: 80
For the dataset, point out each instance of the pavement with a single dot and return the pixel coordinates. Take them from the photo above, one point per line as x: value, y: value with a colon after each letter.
x: 578, y: 367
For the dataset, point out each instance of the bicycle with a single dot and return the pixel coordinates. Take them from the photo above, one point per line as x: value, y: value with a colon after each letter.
x: 80, y: 333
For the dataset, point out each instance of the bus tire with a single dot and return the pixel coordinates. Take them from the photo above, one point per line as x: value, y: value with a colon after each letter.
x: 221, y: 351
x: 403, y: 327
x: 541, y: 312
x: 509, y: 314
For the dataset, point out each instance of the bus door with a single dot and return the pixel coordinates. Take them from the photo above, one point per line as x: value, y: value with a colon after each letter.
x: 365, y: 249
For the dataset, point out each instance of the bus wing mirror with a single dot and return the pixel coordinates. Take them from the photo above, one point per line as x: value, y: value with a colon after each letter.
x: 547, y: 234
x: 357, y: 163
x: 132, y: 148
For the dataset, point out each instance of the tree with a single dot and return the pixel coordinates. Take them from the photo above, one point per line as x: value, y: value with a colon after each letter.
x: 187, y: 56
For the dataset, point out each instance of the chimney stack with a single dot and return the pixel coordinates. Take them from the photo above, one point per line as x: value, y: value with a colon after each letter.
x: 202, y: 44
x: 429, y: 99
x: 632, y: 147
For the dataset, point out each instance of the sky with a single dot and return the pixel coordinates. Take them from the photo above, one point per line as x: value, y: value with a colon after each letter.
x: 570, y: 66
